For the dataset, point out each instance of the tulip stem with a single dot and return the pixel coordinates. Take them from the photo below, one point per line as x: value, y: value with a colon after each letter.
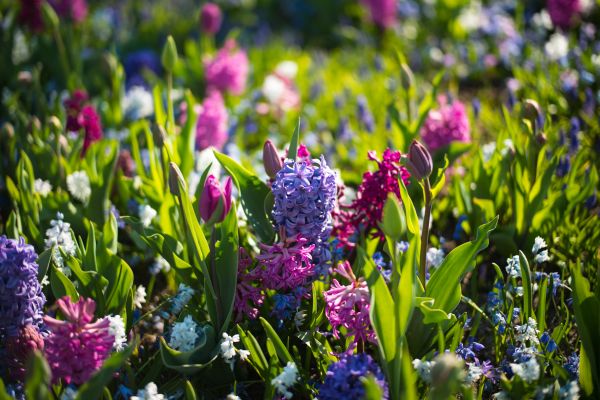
x: 425, y: 230
x: 214, y: 278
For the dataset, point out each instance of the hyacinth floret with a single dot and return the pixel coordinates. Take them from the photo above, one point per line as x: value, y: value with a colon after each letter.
x: 447, y: 124
x: 247, y: 296
x: 21, y: 296
x: 343, y: 378
x: 348, y: 306
x: 305, y: 196
x: 77, y: 347
x: 287, y: 264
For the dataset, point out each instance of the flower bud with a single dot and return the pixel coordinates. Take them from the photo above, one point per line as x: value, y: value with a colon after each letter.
x: 533, y: 113
x: 159, y: 135
x: 419, y: 161
x: 169, y: 54
x: 393, y: 223
x: 210, y: 18
x: 406, y: 76
x: 175, y: 177
x: 8, y: 130
x: 215, y: 202
x: 25, y: 77
x: 55, y: 123
x: 271, y: 159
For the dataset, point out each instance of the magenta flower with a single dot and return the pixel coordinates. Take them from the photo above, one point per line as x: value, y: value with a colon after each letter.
x: 383, y: 12
x: 20, y: 347
x: 30, y: 14
x: 372, y: 194
x: 445, y: 125
x: 90, y: 121
x: 210, y: 18
x: 228, y: 71
x: 287, y: 264
x: 73, y: 106
x: 76, y: 347
x: 563, y: 12
x: 211, y: 126
x: 247, y: 296
x: 76, y: 10
x: 215, y: 202
x: 348, y: 306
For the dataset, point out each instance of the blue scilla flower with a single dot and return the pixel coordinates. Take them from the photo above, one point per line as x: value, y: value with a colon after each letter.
x: 364, y: 115
x: 343, y: 378
x: 499, y: 320
x: 21, y: 296
x: 493, y: 300
x: 547, y: 340
x: 305, y: 195
x: 564, y: 164
x: 572, y: 366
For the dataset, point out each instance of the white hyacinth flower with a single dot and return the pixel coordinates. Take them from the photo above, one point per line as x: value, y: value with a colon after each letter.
x: 160, y: 264
x: 116, y: 328
x: 42, y: 187
x: 435, y: 257
x: 529, y: 370
x: 140, y: 296
x: 557, y: 47
x: 423, y: 368
x: 285, y: 380
x: 527, y: 332
x: 149, y: 392
x: 59, y: 237
x: 287, y: 69
x: 78, y: 184
x: 138, y: 103
x: 180, y: 300
x: 228, y: 350
x: 184, y: 334
x: 513, y: 267
x: 146, y: 214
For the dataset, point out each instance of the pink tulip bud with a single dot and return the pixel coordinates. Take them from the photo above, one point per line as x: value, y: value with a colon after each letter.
x: 271, y: 159
x: 215, y: 202
x: 210, y: 18
x: 419, y: 160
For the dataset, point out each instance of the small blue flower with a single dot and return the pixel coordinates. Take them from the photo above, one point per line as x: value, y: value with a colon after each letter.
x: 343, y: 379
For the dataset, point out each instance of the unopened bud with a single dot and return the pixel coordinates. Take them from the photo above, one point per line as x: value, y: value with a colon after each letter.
x: 406, y: 76
x: 419, y: 161
x: 175, y: 177
x: 533, y: 113
x: 210, y: 18
x: 8, y: 131
x: 271, y: 159
x: 159, y: 135
x: 393, y: 222
x: 215, y: 202
x: 25, y: 77
x: 541, y: 138
x: 169, y: 54
x: 55, y: 123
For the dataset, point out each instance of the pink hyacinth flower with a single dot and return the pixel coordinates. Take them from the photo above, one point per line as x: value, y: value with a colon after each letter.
x: 447, y: 124
x: 211, y: 126
x: 228, y: 71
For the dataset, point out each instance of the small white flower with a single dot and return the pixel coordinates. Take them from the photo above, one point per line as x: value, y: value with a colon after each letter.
x: 184, y: 334
x: 273, y: 89
x: 596, y: 61
x: 138, y: 103
x: 529, y: 370
x: 59, y: 236
x: 570, y: 391
x: 471, y: 17
x: 68, y: 394
x: 557, y: 47
x: 137, y: 182
x: 508, y: 146
x: 501, y: 396
x: 140, y: 296
x: 180, y: 300
x: 285, y: 380
x: 513, y: 267
x: 233, y: 396
x: 150, y: 392
x: 42, y: 187
x: 287, y: 69
x: 542, y: 20
x: 244, y: 354
x: 299, y: 318
x: 117, y: 329
x: 542, y: 257
x: 540, y: 250
x: 435, y: 257
x: 527, y: 332
x: 20, y: 50
x: 146, y: 214
x: 488, y: 151
x: 78, y: 184
x: 160, y: 264
x: 474, y: 373
x: 228, y: 349
x: 423, y: 368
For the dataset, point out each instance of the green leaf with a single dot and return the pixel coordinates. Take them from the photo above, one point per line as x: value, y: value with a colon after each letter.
x: 227, y: 264
x: 253, y: 192
x: 193, y: 361
x: 372, y: 389
x: 444, y: 284
x: 44, y: 261
x: 120, y: 281
x: 257, y: 357
x: 37, y: 382
x: 190, y: 393
x: 293, y: 149
x: 282, y: 352
x: 527, y: 287
x: 93, y: 388
x: 62, y: 286
x: 3, y: 393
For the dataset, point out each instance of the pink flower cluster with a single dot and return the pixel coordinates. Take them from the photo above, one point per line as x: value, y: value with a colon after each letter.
x: 76, y: 347
x: 366, y: 211
x: 76, y: 10
x: 287, y: 264
x: 83, y: 116
x: 383, y: 12
x: 449, y: 123
x: 247, y: 296
x: 20, y: 347
x: 211, y: 127
x: 228, y: 71
x: 563, y: 12
x: 348, y: 306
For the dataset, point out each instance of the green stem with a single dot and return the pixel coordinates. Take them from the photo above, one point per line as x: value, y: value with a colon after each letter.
x: 425, y: 230
x: 62, y: 52
x: 170, y: 113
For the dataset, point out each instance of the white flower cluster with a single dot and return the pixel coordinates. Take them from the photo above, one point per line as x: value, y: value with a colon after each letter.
x: 229, y: 351
x: 78, y: 184
x: 527, y: 332
x: 570, y: 391
x: 184, y: 334
x: 435, y: 257
x: 116, y: 328
x: 150, y: 392
x: 42, y: 187
x: 474, y: 373
x: 285, y: 380
x: 529, y: 370
x: 139, y: 298
x: 146, y: 214
x: 557, y: 47
x: 180, y: 300
x: 59, y: 236
x: 138, y: 103
x: 513, y: 267
x: 540, y: 250
x: 423, y: 368
x: 160, y: 264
